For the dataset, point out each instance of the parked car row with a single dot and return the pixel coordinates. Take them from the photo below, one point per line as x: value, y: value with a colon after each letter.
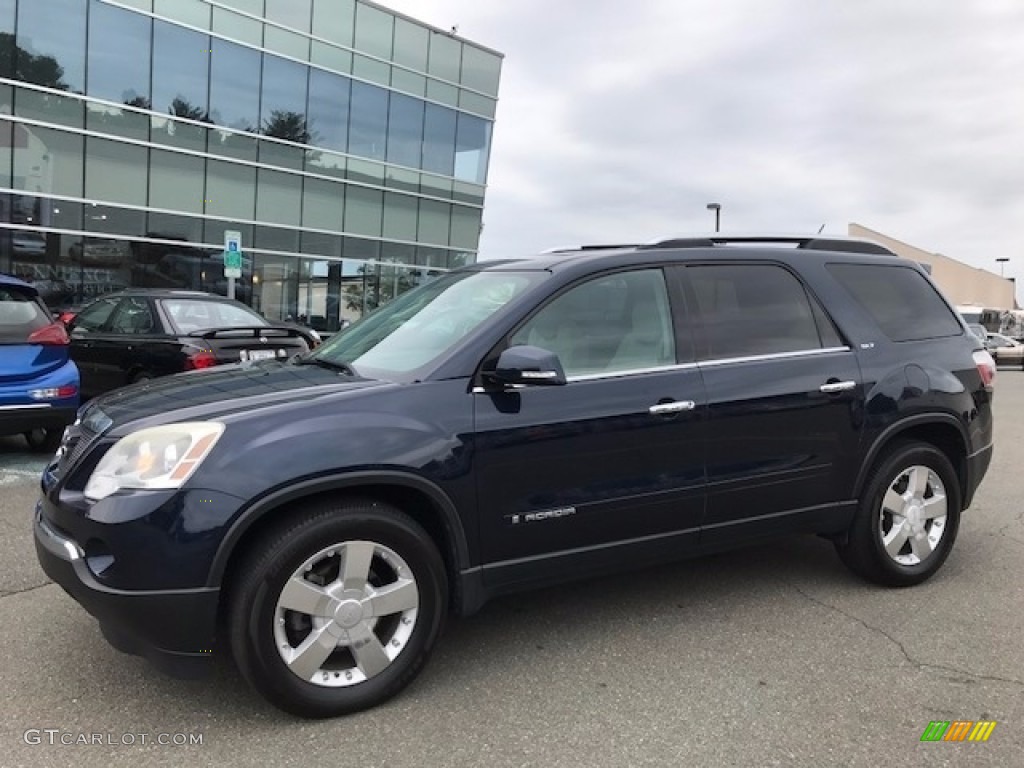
x: 47, y: 363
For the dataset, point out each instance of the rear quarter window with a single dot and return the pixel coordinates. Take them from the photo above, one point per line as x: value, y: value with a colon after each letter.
x: 900, y: 299
x: 20, y: 315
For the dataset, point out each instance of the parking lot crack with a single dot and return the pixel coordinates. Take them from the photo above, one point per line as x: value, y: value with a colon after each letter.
x: 902, y: 648
x: 9, y: 593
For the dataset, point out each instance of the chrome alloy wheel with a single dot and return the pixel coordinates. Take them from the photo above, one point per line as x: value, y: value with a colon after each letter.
x: 912, y: 520
x: 346, y: 614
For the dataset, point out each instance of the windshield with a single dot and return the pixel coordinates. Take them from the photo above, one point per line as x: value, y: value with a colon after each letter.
x: 420, y: 325
x: 191, y: 315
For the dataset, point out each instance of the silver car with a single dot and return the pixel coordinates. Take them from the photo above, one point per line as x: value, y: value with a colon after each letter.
x: 1004, y: 350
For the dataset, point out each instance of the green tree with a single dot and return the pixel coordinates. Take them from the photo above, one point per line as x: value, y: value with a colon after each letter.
x: 182, y: 108
x: 287, y: 125
x: 21, y: 65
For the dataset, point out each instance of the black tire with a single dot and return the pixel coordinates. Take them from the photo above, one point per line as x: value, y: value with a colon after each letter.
x: 863, y: 550
x: 43, y: 440
x: 140, y: 377
x: 255, y: 618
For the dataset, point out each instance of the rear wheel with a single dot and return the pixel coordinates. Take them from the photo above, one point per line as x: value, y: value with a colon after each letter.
x: 140, y: 377
x: 907, y: 518
x: 43, y: 440
x: 338, y: 611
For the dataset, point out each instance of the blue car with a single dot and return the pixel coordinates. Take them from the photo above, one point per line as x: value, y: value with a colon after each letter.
x: 38, y: 381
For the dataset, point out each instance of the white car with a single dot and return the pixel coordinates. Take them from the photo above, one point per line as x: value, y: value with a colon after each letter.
x: 1004, y: 350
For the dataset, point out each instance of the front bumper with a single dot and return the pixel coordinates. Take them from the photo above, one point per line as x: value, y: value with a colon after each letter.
x: 173, y: 629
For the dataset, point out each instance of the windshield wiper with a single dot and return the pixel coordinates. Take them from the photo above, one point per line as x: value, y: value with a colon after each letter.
x: 330, y: 365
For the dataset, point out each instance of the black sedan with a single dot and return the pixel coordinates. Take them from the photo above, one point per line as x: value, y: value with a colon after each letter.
x: 135, y: 335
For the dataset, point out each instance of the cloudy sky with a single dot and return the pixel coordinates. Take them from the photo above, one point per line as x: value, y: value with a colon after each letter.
x: 621, y: 121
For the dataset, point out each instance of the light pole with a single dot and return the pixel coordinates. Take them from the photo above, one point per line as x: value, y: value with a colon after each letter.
x: 1001, y: 261
x: 717, y: 208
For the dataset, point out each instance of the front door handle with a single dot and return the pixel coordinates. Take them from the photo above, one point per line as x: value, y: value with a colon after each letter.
x: 837, y: 386
x: 676, y: 406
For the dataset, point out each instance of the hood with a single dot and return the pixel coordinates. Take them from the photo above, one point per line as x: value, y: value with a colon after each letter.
x: 218, y: 392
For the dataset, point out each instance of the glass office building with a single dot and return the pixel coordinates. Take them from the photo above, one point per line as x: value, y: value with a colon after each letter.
x: 346, y: 143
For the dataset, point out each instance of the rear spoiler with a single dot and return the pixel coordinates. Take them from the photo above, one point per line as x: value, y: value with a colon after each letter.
x: 255, y: 331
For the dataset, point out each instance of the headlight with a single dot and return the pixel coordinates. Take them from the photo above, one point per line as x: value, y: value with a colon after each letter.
x: 158, y: 458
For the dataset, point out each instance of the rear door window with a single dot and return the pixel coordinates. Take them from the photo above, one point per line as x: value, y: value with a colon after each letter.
x: 900, y: 299
x: 95, y: 316
x: 191, y: 315
x: 20, y: 315
x: 133, y: 317
x: 748, y: 310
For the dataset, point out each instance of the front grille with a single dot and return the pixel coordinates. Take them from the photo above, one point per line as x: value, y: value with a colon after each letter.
x: 79, y: 440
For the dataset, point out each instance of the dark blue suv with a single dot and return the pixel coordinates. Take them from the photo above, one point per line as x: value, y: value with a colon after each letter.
x: 38, y: 381
x: 514, y: 425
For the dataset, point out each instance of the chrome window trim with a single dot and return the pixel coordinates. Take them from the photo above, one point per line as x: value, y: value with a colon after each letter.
x: 718, y: 361
x: 631, y: 372
x: 234, y: 160
x: 307, y: 35
x: 692, y: 366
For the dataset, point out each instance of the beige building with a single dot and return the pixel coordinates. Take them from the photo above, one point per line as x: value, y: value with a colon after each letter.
x: 962, y: 283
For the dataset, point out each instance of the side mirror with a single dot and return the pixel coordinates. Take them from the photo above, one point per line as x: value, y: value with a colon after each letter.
x: 524, y: 365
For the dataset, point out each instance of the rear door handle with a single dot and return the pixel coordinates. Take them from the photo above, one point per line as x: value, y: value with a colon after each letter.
x: 837, y: 386
x: 677, y: 406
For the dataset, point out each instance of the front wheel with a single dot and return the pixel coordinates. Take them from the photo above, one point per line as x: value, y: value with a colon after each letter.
x: 338, y: 611
x: 907, y: 518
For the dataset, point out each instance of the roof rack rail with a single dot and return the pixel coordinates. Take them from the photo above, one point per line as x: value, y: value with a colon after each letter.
x: 581, y: 248
x: 802, y: 242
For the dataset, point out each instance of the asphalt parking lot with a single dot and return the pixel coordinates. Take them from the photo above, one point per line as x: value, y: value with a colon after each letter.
x: 770, y: 656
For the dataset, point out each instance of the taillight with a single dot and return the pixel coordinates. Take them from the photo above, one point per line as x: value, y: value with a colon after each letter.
x: 986, y: 368
x: 200, y: 359
x: 54, y: 393
x: 54, y: 334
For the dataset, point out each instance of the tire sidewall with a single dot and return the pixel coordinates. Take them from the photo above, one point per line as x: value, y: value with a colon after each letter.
x: 47, y: 444
x: 889, y: 470
x: 259, y: 603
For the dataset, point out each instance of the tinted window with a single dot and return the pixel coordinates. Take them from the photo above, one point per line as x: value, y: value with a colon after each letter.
x: 133, y: 316
x: 93, y: 317
x: 284, y: 99
x: 20, y: 315
x: 405, y: 132
x: 328, y: 109
x: 235, y: 86
x: 754, y: 309
x: 51, y: 36
x: 439, y: 140
x: 368, y: 130
x: 180, y: 82
x: 472, y: 148
x: 189, y: 315
x: 119, y: 55
x: 900, y: 299
x: 619, y: 322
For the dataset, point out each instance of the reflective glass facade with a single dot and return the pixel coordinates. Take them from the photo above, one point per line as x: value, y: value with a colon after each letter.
x: 349, y: 146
